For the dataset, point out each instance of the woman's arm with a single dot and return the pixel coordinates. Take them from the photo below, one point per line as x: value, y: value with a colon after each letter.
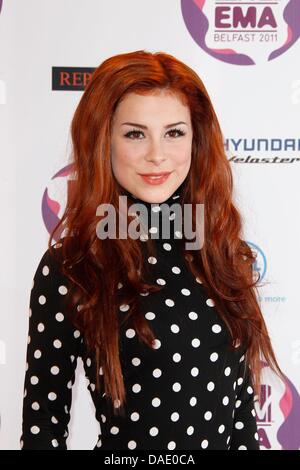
x: 244, y: 434
x: 53, y: 348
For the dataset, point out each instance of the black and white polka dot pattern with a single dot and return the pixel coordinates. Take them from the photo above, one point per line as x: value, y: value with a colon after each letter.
x: 188, y: 392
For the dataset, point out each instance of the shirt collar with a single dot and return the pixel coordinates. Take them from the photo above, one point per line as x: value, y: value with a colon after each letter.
x: 157, y: 217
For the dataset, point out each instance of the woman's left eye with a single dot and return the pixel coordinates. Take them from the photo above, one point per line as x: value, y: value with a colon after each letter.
x: 135, y: 133
x: 179, y: 131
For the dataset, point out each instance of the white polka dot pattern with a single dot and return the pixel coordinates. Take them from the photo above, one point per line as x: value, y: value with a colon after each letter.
x: 186, y: 392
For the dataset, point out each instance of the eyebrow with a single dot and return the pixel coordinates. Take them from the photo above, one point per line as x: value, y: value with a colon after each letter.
x: 145, y: 127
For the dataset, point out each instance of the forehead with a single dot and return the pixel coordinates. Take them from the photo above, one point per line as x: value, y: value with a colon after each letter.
x: 160, y: 105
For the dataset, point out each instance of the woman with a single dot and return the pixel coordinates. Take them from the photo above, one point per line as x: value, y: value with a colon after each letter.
x: 170, y: 336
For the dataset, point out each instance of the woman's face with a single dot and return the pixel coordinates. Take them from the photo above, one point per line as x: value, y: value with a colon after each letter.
x: 146, y: 140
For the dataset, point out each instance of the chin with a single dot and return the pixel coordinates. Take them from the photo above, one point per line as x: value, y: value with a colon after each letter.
x: 156, y: 194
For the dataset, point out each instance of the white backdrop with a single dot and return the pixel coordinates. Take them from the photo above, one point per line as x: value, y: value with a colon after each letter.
x: 258, y: 101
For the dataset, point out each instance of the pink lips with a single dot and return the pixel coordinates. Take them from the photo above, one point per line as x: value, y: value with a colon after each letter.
x: 155, y: 178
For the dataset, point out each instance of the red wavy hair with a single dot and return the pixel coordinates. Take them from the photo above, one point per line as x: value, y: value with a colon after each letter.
x: 95, y: 267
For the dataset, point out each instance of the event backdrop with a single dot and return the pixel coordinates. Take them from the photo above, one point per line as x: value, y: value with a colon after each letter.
x: 248, y: 56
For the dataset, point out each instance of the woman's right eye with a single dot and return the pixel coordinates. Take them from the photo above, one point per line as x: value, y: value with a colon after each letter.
x: 130, y: 133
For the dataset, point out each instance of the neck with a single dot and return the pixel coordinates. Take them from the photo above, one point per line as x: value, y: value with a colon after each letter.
x: 162, y: 220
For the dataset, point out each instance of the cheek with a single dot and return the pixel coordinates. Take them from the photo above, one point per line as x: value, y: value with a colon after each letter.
x: 123, y: 158
x: 182, y: 154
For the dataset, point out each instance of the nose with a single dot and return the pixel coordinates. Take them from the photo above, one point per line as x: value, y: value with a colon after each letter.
x: 155, y: 154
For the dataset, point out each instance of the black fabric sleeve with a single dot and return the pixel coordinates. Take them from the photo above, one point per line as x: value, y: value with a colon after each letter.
x: 244, y: 435
x: 54, y: 345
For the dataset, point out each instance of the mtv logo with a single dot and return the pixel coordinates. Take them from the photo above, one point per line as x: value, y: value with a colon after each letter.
x: 263, y: 406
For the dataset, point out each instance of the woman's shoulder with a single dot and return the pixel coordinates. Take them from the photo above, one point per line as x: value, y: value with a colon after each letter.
x: 51, y: 261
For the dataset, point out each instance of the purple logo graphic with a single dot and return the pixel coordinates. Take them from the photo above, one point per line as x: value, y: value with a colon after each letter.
x: 54, y: 198
x: 0, y: 5
x: 278, y: 416
x: 243, y: 33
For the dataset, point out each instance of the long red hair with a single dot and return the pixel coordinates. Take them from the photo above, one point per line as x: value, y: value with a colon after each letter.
x: 96, y: 267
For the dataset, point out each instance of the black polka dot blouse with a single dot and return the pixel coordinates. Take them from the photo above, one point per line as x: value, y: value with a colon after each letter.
x: 188, y: 392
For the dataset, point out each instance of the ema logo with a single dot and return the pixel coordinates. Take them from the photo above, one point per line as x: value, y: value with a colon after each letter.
x: 240, y: 32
